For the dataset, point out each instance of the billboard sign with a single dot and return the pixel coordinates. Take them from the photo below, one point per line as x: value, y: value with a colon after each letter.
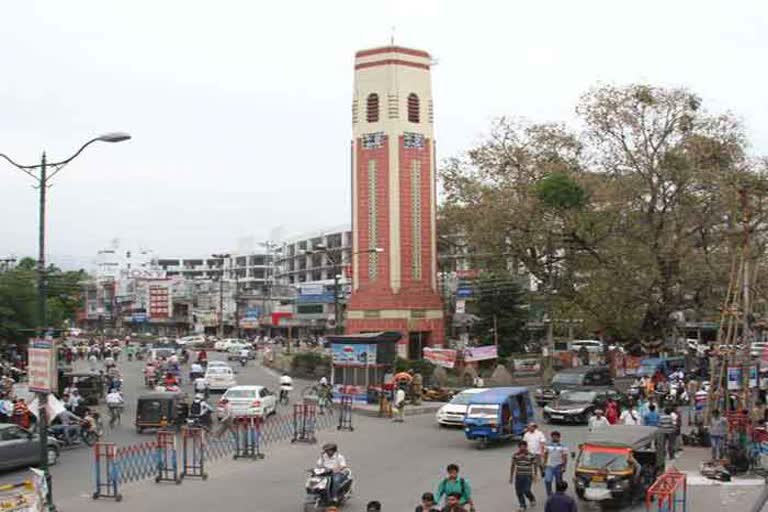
x: 42, y: 370
x: 464, y: 292
x: 440, y: 356
x: 480, y: 353
x: 734, y: 377
x: 527, y: 366
x: 353, y: 355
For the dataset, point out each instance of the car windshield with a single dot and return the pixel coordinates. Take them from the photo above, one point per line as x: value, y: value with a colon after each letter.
x: 240, y: 393
x: 461, y: 398
x: 567, y: 378
x: 577, y: 396
x: 483, y: 411
x: 613, y: 460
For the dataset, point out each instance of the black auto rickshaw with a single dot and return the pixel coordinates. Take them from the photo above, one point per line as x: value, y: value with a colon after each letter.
x: 161, y: 409
x: 90, y: 385
x: 618, y: 463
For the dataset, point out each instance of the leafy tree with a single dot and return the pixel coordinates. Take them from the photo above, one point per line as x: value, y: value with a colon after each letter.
x: 499, y: 302
x: 18, y: 298
x: 628, y: 221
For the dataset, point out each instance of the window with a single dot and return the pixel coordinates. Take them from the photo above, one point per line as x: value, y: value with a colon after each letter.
x: 413, y: 108
x: 309, y: 309
x: 372, y: 108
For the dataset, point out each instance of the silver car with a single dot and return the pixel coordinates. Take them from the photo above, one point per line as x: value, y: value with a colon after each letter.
x: 20, y: 447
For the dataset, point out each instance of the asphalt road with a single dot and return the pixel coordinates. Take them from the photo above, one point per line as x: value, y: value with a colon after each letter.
x: 393, y: 463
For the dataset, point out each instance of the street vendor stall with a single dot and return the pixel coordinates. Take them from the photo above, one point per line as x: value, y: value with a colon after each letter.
x: 360, y: 362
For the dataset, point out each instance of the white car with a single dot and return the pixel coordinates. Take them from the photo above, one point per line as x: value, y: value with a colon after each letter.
x: 247, y: 401
x: 190, y: 341
x: 223, y: 345
x: 233, y: 351
x: 220, y: 378
x: 219, y: 364
x: 156, y: 354
x: 590, y: 345
x: 454, y: 411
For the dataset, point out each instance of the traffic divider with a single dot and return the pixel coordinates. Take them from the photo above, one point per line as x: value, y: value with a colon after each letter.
x: 345, y: 413
x: 167, y: 458
x: 105, y: 471
x: 304, y: 423
x: 193, y: 452
x: 248, y: 439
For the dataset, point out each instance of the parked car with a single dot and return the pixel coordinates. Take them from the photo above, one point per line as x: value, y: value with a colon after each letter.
x: 574, y: 378
x: 20, y: 447
x: 248, y: 401
x: 591, y: 345
x: 220, y: 378
x: 577, y: 406
x: 453, y: 412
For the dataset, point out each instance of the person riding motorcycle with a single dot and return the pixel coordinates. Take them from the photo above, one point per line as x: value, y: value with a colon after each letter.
x: 244, y: 353
x: 202, y: 357
x: 115, y: 403
x: 286, y: 385
x: 66, y: 425
x: 195, y: 371
x: 332, y: 460
x: 200, y: 411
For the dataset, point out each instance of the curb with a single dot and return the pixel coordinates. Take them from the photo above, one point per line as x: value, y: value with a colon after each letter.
x: 409, y: 411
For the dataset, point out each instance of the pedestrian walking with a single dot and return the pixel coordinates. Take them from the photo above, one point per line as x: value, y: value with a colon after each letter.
x: 718, y: 428
x: 536, y: 441
x: 560, y: 502
x: 522, y: 474
x: 598, y: 421
x: 428, y: 503
x: 667, y: 428
x: 629, y: 416
x: 453, y: 503
x: 454, y: 484
x: 651, y: 418
x: 399, y: 405
x: 555, y: 461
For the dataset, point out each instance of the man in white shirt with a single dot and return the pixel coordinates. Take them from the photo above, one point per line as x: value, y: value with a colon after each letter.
x: 535, y: 439
x: 399, y: 404
x: 598, y: 420
x: 630, y: 416
x: 114, y: 404
x: 332, y: 460
x: 201, y: 386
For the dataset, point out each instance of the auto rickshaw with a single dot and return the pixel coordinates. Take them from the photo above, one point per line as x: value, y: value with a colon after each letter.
x: 498, y: 414
x: 618, y: 463
x: 161, y: 410
x: 90, y: 385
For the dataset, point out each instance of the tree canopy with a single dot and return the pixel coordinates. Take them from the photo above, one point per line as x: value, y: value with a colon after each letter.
x: 628, y: 220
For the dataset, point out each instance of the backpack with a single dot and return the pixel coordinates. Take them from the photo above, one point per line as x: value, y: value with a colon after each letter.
x: 196, y: 408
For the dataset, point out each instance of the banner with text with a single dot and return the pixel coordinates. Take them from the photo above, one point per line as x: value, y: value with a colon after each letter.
x: 440, y: 356
x: 42, y: 370
x: 480, y: 353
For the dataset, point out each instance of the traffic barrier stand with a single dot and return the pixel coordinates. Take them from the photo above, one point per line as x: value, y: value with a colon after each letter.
x: 345, y: 414
x: 304, y: 423
x: 669, y: 492
x: 193, y: 452
x: 248, y: 439
x: 105, y: 471
x: 167, y: 458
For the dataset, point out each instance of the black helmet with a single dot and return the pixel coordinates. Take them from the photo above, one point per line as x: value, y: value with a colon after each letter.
x: 330, y: 447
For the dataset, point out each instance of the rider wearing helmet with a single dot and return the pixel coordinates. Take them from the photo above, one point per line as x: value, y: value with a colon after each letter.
x: 200, y: 410
x: 332, y: 460
x: 286, y: 385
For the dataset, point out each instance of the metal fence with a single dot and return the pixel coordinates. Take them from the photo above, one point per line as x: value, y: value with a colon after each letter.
x: 158, y: 458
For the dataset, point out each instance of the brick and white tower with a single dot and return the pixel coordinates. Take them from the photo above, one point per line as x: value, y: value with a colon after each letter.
x: 394, y: 200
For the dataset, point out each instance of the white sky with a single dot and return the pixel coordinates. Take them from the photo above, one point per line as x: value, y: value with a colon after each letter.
x: 240, y: 110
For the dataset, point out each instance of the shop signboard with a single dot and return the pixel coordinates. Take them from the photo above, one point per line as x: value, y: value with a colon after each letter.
x: 440, y: 356
x: 353, y: 354
x: 42, y: 370
x: 752, y: 377
x: 734, y: 377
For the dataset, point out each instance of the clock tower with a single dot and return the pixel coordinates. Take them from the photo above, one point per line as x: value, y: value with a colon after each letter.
x: 394, y: 265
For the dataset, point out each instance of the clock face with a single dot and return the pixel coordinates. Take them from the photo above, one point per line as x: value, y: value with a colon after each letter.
x: 413, y: 140
x: 373, y: 140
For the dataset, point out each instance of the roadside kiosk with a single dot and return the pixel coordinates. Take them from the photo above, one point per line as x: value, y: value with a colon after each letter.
x: 359, y: 363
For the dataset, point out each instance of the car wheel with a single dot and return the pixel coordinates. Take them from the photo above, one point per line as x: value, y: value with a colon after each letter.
x: 52, y: 455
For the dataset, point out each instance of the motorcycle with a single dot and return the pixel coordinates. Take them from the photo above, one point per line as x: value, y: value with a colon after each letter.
x: 677, y: 394
x: 86, y: 435
x: 203, y: 421
x: 319, y: 494
x: 283, y: 398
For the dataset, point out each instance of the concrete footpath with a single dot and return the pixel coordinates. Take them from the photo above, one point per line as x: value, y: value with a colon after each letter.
x: 393, y: 463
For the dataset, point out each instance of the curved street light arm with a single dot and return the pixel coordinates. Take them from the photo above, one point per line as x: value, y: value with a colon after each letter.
x: 65, y: 162
x: 23, y: 168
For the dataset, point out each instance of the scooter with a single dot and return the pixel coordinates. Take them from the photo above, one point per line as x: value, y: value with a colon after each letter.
x: 203, y: 421
x: 243, y: 361
x: 283, y: 398
x: 87, y: 436
x: 319, y: 494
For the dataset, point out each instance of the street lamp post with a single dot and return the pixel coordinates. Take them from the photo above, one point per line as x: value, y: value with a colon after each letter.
x: 42, y: 179
x: 221, y: 258
x: 336, y: 264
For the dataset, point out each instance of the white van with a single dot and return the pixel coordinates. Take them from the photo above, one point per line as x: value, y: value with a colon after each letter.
x: 591, y: 345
